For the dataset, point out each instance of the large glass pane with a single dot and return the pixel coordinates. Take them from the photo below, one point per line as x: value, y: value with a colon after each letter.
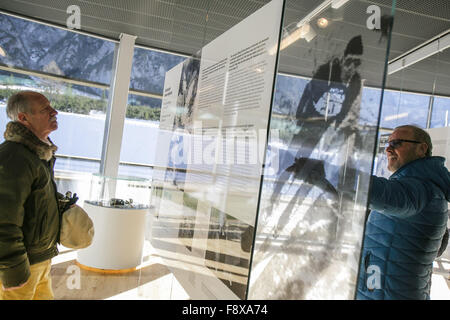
x: 208, y: 166
x: 315, y: 189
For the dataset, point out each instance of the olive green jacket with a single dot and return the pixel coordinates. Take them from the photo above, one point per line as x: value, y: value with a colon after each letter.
x: 29, y: 213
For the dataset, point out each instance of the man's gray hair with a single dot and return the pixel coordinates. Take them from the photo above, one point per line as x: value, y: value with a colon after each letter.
x: 422, y: 136
x: 19, y: 102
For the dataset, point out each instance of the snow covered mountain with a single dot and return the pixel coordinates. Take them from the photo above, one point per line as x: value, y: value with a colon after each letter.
x: 38, y: 47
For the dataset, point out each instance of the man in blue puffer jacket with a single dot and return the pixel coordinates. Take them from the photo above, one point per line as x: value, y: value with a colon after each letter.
x: 408, y: 220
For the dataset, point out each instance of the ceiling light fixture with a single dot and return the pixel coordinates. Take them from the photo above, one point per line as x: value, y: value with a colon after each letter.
x: 419, y: 53
x: 322, y: 23
x: 336, y: 4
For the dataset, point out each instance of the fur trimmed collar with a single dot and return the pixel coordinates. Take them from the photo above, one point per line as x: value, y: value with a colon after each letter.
x: 17, y: 132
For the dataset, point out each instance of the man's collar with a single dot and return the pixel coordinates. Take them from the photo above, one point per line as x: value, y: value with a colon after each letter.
x: 17, y: 132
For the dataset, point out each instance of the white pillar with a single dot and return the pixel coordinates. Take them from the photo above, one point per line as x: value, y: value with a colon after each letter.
x: 117, y: 106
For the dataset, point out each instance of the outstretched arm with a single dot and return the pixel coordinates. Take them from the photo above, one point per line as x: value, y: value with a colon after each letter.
x: 401, y: 198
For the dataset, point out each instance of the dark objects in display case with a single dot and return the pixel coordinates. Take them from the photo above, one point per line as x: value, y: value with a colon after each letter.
x: 118, y: 203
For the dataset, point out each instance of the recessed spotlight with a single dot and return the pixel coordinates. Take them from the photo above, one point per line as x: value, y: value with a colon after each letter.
x: 322, y: 23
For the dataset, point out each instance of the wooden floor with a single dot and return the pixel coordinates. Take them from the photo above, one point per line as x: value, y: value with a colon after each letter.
x: 151, y: 280
x: 440, y: 282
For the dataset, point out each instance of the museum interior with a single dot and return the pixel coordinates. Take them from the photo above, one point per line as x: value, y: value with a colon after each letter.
x: 224, y: 149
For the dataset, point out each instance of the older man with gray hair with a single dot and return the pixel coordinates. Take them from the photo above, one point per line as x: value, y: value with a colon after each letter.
x: 29, y: 214
x: 406, y: 228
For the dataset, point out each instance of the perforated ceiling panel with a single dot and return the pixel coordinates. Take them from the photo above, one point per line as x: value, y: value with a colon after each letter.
x: 184, y: 26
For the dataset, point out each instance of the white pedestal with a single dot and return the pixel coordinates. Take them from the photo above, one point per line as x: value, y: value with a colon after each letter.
x: 118, y: 240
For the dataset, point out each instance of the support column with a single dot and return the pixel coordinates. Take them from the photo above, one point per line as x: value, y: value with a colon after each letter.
x: 117, y: 106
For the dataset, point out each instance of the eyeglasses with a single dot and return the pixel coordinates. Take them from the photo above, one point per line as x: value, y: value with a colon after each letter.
x: 349, y: 61
x: 398, y: 142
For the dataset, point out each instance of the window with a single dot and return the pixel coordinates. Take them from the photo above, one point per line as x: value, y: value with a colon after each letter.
x: 140, y: 135
x: 400, y: 108
x: 149, y: 69
x: 33, y: 46
x: 33, y: 53
x: 440, y: 115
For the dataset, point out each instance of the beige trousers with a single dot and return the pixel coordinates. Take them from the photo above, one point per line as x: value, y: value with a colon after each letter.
x: 38, y: 286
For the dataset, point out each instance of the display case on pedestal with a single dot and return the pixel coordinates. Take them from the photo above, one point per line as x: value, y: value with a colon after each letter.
x: 118, y: 208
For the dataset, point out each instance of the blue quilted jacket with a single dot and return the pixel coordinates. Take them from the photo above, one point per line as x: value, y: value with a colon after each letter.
x: 404, y: 231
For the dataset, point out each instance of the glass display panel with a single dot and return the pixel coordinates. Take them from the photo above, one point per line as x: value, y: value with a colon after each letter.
x: 211, y: 145
x: 313, y: 198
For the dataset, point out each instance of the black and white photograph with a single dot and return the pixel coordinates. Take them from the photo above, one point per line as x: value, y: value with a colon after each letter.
x: 187, y: 92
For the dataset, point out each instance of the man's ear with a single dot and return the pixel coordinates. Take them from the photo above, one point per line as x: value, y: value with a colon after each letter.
x: 22, y: 117
x: 423, y: 148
